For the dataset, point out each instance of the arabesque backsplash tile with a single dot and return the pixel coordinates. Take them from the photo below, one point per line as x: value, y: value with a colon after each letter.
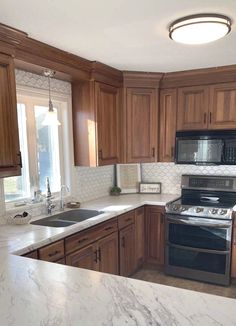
x: 169, y: 174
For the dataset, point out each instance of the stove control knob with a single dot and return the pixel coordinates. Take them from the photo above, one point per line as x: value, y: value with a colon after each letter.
x: 223, y: 211
x: 214, y: 211
x: 182, y: 209
x: 175, y: 207
x: 199, y: 209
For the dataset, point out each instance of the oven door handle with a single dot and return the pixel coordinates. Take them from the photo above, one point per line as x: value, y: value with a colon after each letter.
x: 196, y: 222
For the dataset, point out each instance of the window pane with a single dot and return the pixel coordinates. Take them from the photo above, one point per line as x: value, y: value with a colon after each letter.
x: 19, y: 187
x: 47, y: 151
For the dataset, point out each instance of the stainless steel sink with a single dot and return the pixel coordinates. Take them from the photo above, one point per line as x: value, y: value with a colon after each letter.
x: 67, y: 218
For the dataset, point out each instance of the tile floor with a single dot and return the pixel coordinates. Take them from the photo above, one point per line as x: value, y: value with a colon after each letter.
x: 151, y: 274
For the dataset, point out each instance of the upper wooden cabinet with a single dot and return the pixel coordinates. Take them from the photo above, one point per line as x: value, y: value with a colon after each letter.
x: 96, y: 123
x: 192, y: 108
x: 10, y: 157
x: 222, y: 107
x: 141, y: 125
x: 207, y: 107
x: 108, y: 121
x: 140, y: 117
x: 168, y: 113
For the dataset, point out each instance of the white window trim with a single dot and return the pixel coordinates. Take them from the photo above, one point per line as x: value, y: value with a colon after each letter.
x: 64, y: 103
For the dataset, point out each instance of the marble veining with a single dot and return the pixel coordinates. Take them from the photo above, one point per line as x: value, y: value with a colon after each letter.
x: 38, y: 293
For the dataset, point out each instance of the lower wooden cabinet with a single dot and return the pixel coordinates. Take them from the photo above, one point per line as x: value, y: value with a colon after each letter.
x: 108, y: 254
x: 84, y: 258
x: 100, y: 256
x: 139, y: 236
x: 127, y: 250
x: 155, y: 234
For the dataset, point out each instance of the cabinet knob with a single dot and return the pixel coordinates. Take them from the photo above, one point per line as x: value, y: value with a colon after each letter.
x: 210, y: 117
x: 153, y: 152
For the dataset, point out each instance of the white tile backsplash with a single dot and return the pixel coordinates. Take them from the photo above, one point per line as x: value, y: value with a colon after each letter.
x: 169, y: 174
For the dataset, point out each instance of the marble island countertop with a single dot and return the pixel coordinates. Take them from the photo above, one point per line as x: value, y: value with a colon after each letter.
x: 38, y: 293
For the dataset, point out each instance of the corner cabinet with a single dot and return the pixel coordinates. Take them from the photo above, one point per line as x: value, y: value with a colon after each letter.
x: 10, y: 156
x: 140, y: 117
x: 168, y: 114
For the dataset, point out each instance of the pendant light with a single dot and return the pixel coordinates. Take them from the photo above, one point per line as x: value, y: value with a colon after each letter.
x: 200, y: 28
x: 51, y: 116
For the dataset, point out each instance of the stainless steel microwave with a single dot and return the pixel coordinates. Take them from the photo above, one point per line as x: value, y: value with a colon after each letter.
x: 206, y: 147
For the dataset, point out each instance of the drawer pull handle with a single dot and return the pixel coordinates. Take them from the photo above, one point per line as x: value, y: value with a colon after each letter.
x: 108, y: 228
x: 82, y: 240
x: 54, y: 253
x: 99, y: 254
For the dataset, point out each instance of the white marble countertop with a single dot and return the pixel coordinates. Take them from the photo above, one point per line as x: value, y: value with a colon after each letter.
x: 20, y: 239
x: 38, y: 293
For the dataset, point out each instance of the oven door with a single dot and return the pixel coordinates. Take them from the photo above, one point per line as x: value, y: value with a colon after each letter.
x: 198, y: 248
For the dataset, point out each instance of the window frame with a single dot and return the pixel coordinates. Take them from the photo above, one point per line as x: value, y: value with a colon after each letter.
x: 31, y: 97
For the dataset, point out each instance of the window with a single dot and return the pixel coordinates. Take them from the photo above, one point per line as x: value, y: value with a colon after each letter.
x: 41, y: 148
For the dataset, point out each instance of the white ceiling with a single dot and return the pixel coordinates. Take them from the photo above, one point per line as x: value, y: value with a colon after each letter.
x: 126, y: 34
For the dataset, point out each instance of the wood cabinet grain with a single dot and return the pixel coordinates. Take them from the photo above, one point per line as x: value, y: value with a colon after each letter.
x: 155, y: 234
x: 168, y: 115
x: 108, y: 254
x: 127, y: 250
x: 10, y: 158
x: 84, y: 258
x: 52, y: 252
x: 193, y: 105
x: 141, y: 125
x: 139, y: 237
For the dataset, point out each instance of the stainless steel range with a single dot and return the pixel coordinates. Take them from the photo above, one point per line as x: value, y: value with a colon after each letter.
x: 199, y: 229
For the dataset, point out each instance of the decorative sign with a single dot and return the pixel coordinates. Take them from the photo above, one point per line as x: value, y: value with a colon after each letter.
x: 150, y: 188
x: 128, y: 177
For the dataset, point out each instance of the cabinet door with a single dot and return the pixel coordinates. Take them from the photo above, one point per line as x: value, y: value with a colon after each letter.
x: 139, y: 236
x: 168, y: 108
x: 108, y: 254
x: 222, y: 106
x: 141, y: 125
x: 193, y: 103
x: 155, y: 233
x: 10, y: 160
x: 84, y: 258
x: 127, y: 250
x: 108, y: 119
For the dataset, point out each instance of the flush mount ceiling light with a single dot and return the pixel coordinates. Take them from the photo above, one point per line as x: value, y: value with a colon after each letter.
x: 51, y: 116
x: 199, y: 29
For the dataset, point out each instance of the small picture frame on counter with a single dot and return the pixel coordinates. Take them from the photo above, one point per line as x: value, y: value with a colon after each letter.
x: 150, y: 187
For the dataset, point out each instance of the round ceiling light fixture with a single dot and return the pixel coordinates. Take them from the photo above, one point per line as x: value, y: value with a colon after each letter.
x: 200, y: 28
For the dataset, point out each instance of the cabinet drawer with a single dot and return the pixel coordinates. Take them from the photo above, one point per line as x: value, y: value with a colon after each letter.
x: 126, y: 219
x: 52, y: 252
x: 32, y: 254
x: 83, y: 238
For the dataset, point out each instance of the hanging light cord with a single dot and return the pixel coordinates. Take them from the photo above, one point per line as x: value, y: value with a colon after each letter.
x: 50, y: 101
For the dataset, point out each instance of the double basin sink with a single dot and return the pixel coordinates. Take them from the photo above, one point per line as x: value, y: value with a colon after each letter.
x: 67, y: 218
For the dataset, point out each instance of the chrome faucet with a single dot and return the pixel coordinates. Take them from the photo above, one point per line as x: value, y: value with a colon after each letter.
x: 62, y: 203
x: 49, y: 204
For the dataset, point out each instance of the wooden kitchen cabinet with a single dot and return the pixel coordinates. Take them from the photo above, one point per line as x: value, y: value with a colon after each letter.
x: 193, y: 103
x: 141, y: 124
x: 96, y: 108
x: 222, y: 107
x: 84, y: 258
x: 127, y: 250
x: 139, y: 236
x: 10, y: 157
x: 52, y: 252
x: 155, y: 234
x: 33, y: 254
x: 168, y: 114
x: 107, y: 99
x: 108, y: 254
